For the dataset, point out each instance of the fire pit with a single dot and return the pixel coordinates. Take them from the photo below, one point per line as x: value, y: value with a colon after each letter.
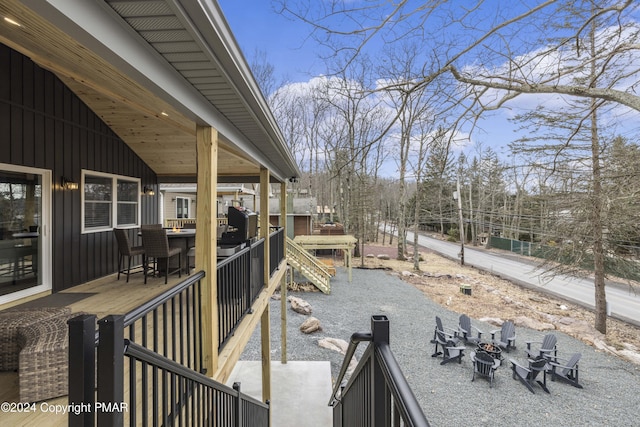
x: 491, y: 349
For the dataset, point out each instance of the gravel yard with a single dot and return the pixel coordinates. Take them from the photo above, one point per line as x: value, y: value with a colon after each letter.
x: 446, y: 393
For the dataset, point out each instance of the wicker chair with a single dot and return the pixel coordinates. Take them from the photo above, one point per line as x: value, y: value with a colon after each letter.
x: 126, y: 250
x: 156, y: 246
x: 43, y: 371
x: 13, y: 319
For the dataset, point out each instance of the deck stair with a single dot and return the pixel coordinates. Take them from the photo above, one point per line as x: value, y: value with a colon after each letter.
x: 309, y: 266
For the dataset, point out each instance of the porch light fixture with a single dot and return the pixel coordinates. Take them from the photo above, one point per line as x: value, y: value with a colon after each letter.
x: 148, y: 191
x: 68, y: 184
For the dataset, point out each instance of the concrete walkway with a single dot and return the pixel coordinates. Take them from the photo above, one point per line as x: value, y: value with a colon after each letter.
x: 300, y: 391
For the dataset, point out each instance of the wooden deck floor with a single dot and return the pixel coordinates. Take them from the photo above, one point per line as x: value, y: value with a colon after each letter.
x: 100, y: 297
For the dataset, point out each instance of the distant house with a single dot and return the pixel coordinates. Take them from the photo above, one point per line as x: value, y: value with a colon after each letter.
x: 179, y: 201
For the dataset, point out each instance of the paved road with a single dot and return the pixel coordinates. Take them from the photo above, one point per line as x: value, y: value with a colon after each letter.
x: 623, y: 303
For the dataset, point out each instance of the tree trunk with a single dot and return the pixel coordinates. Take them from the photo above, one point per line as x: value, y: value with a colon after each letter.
x: 598, y: 243
x: 416, y: 228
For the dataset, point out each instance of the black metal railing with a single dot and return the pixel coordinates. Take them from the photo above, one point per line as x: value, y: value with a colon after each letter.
x: 171, y: 326
x: 276, y: 248
x: 137, y: 386
x: 240, y: 280
x: 171, y: 323
x: 377, y: 393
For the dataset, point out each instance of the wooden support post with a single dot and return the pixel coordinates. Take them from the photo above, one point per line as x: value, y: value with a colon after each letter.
x: 265, y: 320
x: 283, y: 283
x: 348, y: 261
x: 206, y: 223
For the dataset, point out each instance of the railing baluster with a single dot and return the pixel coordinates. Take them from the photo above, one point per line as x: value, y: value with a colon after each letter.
x: 173, y: 328
x: 188, y: 331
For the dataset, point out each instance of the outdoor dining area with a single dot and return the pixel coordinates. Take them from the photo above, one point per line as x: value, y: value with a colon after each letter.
x: 542, y: 358
x: 163, y: 251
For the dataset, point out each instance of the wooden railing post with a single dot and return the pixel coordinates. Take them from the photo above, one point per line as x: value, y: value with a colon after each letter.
x: 110, y: 404
x: 82, y: 369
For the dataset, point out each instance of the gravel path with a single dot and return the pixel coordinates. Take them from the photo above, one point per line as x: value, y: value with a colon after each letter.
x: 446, y: 393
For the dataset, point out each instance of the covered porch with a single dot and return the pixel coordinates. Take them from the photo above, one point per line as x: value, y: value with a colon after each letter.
x: 140, y: 93
x: 165, y: 318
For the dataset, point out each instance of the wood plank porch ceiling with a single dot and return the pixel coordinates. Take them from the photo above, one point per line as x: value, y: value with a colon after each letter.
x: 161, y: 134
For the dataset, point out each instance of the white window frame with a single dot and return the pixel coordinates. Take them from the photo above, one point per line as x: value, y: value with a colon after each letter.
x: 114, y: 202
x: 188, y: 202
x: 45, y: 234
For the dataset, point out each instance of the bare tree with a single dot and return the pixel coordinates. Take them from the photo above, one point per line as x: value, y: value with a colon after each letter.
x: 583, y: 49
x: 460, y: 39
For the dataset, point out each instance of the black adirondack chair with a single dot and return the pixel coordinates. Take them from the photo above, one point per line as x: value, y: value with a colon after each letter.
x: 466, y: 330
x: 546, y: 348
x: 528, y: 375
x: 507, y: 337
x: 449, y: 343
x: 484, y: 365
x: 566, y: 370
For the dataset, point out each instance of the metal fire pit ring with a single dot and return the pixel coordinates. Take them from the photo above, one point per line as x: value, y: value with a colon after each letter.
x: 491, y: 349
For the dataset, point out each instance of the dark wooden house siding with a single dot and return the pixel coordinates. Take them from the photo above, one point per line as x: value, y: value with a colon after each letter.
x: 45, y: 125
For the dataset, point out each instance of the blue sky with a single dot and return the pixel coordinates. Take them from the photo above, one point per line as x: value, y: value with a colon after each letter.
x: 257, y: 27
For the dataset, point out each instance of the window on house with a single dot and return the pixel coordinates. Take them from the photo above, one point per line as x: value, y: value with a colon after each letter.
x: 182, y: 207
x: 109, y: 201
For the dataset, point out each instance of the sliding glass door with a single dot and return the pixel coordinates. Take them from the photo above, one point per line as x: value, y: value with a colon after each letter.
x: 24, y: 231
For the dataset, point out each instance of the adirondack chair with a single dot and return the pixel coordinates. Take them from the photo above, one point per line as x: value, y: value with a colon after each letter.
x: 448, y: 334
x: 485, y: 365
x: 449, y: 343
x: 545, y: 348
x: 507, y: 337
x: 566, y: 370
x: 528, y: 375
x: 465, y: 330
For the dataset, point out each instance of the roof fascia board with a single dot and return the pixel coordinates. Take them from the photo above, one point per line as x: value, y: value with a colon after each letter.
x: 208, y: 20
x: 96, y: 26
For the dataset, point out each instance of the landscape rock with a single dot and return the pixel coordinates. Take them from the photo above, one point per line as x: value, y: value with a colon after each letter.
x: 370, y: 256
x: 527, y: 322
x: 310, y: 326
x: 581, y: 329
x: 340, y: 346
x: 300, y: 306
x: 335, y: 344
x: 496, y: 321
x: 384, y: 257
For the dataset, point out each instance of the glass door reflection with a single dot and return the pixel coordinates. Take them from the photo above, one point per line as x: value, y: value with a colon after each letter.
x: 20, y: 225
